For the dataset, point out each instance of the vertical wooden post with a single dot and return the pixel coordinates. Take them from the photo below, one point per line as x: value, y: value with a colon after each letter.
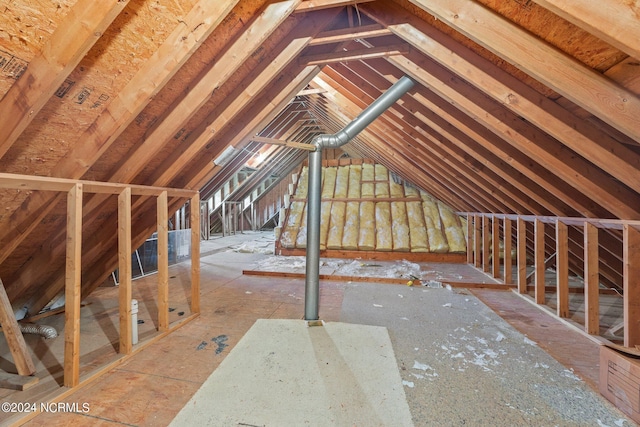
x: 591, y: 280
x: 469, y: 239
x: 539, y: 262
x: 163, y: 261
x: 522, y: 255
x: 13, y: 335
x: 562, y: 268
x: 195, y: 253
x: 495, y: 247
x: 486, y: 247
x: 477, y: 241
x: 72, y: 287
x: 631, y: 290
x: 124, y: 269
x: 507, y: 270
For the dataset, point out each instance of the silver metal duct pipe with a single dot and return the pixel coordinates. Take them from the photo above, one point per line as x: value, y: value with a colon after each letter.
x: 312, y: 281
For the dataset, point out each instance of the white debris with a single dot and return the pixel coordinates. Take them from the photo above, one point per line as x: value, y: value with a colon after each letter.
x: 528, y: 341
x: 500, y: 337
x: 377, y: 305
x: 447, y: 304
x: 248, y: 292
x: 409, y: 384
x: 401, y: 296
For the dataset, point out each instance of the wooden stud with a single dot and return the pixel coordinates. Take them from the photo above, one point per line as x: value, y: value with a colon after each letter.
x: 124, y: 270
x: 522, y: 255
x: 507, y: 261
x: 631, y: 290
x: 477, y: 240
x: 163, y: 262
x: 72, y: 293
x: 470, y: 242
x: 539, y: 261
x: 13, y: 335
x: 562, y: 268
x: 495, y: 247
x: 486, y: 247
x: 591, y: 280
x: 195, y: 253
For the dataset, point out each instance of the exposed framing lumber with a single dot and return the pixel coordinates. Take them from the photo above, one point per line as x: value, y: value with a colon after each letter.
x: 486, y: 243
x: 529, y: 140
x: 470, y: 243
x: 74, y: 36
x: 539, y: 261
x: 122, y: 110
x: 614, y: 21
x: 477, y: 241
x: 163, y: 261
x: 194, y: 220
x: 591, y: 280
x: 311, y: 5
x: 354, y: 55
x: 124, y: 270
x: 222, y: 69
x: 348, y: 34
x: 631, y: 255
x: 578, y: 83
x: 562, y: 269
x: 507, y: 271
x: 412, y: 124
x: 495, y: 247
x: 73, y: 282
x: 580, y: 136
x: 13, y: 335
x: 284, y: 143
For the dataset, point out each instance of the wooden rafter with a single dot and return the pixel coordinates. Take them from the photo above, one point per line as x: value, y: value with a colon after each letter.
x: 582, y: 85
x: 615, y: 21
x: 75, y: 35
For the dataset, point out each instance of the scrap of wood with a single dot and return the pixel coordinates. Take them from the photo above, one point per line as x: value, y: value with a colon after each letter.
x: 17, y: 382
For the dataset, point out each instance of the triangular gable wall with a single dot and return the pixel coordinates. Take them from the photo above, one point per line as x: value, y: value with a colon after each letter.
x: 365, y: 209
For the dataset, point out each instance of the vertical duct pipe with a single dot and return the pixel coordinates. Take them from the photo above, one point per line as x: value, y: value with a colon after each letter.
x: 312, y: 280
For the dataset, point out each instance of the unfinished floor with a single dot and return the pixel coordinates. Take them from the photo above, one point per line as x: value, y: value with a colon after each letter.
x: 466, y: 356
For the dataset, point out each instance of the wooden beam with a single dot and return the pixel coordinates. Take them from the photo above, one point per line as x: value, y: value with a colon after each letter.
x: 539, y: 261
x: 495, y: 247
x: 470, y: 243
x: 73, y: 287
x: 222, y: 69
x: 124, y: 270
x: 486, y: 246
x: 557, y: 70
x: 477, y: 241
x: 73, y: 37
x: 562, y: 269
x: 528, y: 140
x: 591, y: 280
x: 507, y: 269
x: 163, y: 261
x: 354, y: 55
x: 631, y: 291
x: 281, y: 142
x: 577, y: 134
x: 195, y: 253
x: 613, y: 21
x: 351, y: 33
x: 311, y: 5
x: 13, y: 335
x: 121, y: 110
